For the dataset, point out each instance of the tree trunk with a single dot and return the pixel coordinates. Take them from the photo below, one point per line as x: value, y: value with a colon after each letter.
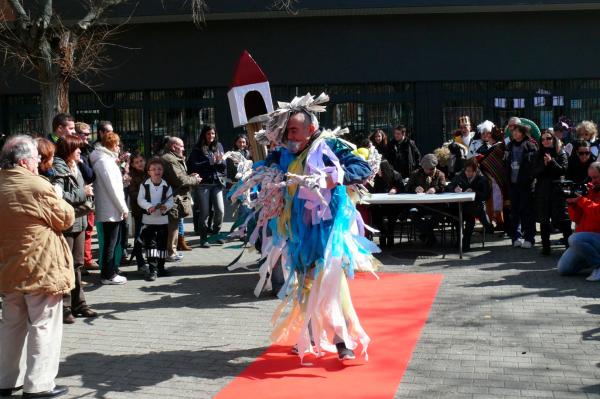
x: 54, y: 99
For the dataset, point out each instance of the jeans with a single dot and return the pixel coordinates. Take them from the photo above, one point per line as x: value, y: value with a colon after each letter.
x: 522, y: 219
x: 111, y: 237
x: 583, y: 252
x: 210, y: 194
x: 181, y: 227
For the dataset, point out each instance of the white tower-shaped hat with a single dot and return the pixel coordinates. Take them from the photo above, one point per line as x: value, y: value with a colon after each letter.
x: 249, y: 93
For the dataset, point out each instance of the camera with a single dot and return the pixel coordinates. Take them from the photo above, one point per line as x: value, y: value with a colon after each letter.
x: 570, y: 189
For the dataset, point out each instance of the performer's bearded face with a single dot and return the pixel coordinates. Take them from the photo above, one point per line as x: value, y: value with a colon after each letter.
x: 299, y: 131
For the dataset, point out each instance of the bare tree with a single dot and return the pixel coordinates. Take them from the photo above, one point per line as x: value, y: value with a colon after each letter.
x: 55, y: 51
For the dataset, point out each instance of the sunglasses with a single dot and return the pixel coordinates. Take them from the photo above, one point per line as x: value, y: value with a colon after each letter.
x: 547, y: 138
x: 583, y: 152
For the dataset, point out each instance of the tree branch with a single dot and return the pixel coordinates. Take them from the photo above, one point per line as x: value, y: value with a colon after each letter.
x: 46, y: 17
x: 20, y: 11
x: 285, y: 5
x: 95, y: 11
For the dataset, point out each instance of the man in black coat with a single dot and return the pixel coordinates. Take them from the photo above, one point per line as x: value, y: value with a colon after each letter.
x: 403, y: 153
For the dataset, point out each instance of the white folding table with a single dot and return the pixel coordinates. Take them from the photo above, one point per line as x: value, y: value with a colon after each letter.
x: 424, y: 200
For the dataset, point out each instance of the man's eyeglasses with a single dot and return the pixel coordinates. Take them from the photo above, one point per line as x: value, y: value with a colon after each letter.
x: 583, y: 153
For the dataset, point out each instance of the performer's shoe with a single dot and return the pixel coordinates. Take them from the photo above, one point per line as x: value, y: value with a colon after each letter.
x: 294, y: 350
x: 6, y: 392
x: 343, y: 352
x: 57, y: 391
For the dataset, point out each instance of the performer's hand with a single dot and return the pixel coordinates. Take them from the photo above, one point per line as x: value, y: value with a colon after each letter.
x: 393, y: 191
x: 151, y: 209
x: 419, y: 190
x: 458, y: 189
x: 430, y: 191
x: 163, y: 208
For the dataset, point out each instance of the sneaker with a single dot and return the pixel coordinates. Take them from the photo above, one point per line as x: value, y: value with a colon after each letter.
x: 174, y: 258
x: 294, y: 350
x: 116, y: 280
x: 527, y: 245
x: 343, y: 352
x: 518, y: 243
x: 151, y: 276
x: 595, y: 275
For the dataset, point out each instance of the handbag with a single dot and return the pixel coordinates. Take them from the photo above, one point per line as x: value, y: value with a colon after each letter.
x: 85, y: 208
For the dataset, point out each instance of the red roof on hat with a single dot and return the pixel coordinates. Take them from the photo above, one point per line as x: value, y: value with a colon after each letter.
x: 247, y: 72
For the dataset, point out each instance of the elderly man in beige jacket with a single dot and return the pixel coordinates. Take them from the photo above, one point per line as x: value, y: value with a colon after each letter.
x: 35, y: 271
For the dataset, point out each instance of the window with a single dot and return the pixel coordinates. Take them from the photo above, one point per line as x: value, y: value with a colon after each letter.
x: 350, y: 115
x: 129, y: 124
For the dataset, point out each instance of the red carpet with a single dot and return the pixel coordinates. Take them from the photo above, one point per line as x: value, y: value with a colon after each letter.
x: 392, y: 310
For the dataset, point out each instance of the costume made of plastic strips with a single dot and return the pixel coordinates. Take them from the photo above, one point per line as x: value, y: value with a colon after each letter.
x: 315, y: 233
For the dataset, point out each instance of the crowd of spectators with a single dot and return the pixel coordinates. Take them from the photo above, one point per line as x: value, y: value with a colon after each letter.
x: 522, y: 178
x: 57, y: 189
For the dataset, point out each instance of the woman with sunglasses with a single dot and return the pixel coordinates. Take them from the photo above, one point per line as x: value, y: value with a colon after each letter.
x: 550, y: 165
x: 579, y: 162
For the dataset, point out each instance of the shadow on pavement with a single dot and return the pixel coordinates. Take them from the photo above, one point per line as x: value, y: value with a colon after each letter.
x: 201, y: 292
x: 107, y: 374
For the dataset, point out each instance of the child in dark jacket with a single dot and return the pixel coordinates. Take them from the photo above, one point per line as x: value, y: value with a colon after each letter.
x: 470, y: 179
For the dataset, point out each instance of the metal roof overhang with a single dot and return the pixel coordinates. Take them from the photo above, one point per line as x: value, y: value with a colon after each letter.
x: 404, y: 10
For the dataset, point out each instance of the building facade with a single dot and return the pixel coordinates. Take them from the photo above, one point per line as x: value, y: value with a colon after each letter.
x: 418, y: 63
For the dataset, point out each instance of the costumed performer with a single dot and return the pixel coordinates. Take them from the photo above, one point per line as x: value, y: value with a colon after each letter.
x: 302, y: 219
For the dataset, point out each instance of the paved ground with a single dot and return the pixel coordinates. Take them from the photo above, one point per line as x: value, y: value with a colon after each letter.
x: 503, y: 325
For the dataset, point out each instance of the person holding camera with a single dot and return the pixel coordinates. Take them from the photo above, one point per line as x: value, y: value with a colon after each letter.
x: 584, y: 244
x: 550, y: 165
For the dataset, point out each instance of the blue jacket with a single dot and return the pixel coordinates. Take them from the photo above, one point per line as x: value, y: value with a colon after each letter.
x: 356, y: 169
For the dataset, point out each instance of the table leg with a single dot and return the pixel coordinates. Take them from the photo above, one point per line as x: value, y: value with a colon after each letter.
x: 460, y: 230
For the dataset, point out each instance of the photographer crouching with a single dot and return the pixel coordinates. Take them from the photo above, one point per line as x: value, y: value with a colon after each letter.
x: 584, y: 244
